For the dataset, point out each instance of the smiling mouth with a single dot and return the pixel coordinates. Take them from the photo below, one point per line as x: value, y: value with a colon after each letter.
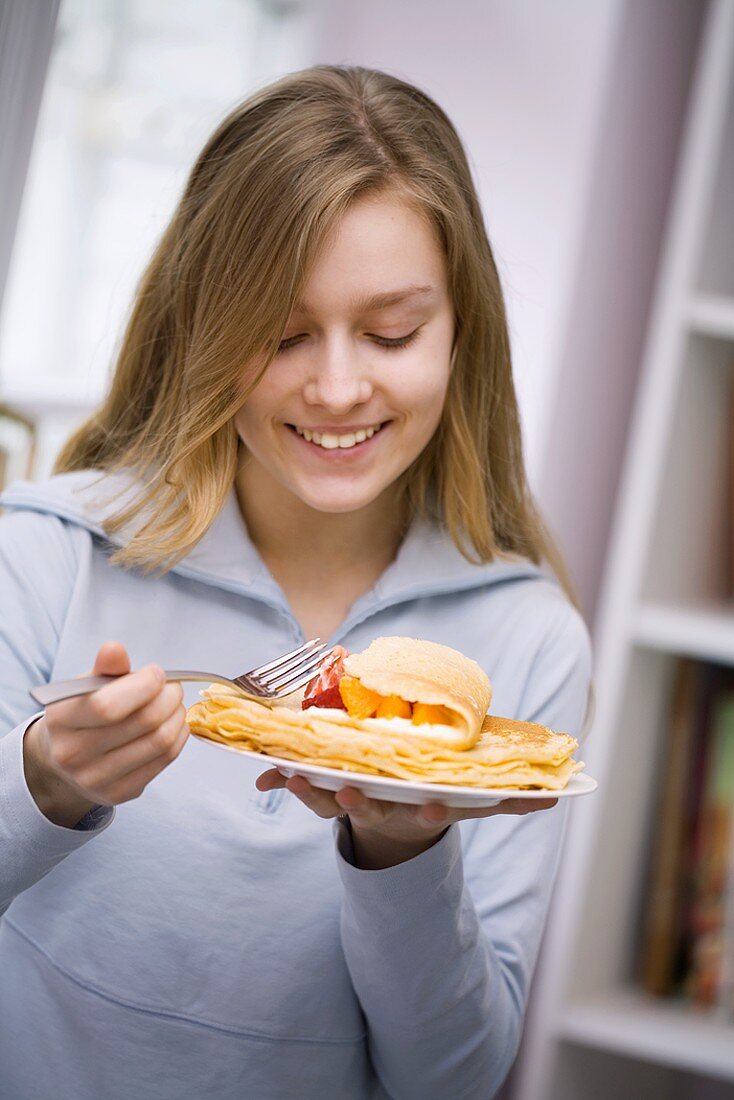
x: 344, y: 441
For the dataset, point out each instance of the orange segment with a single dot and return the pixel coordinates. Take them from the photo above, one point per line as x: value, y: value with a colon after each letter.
x: 431, y: 713
x: 359, y: 700
x: 392, y: 706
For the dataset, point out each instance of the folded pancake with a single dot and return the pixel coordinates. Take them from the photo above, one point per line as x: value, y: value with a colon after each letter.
x: 444, y: 735
x: 508, y: 753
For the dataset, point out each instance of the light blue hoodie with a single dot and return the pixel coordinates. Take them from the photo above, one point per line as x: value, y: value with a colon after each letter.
x: 207, y: 940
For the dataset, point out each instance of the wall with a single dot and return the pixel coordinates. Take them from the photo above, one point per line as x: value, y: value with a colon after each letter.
x: 621, y: 227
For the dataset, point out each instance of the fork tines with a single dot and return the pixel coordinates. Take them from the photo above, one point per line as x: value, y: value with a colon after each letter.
x: 286, y: 673
x: 286, y: 659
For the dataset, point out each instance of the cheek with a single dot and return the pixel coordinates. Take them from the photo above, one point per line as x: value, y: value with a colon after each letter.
x: 261, y: 405
x: 423, y: 392
x: 422, y: 379
x: 245, y: 423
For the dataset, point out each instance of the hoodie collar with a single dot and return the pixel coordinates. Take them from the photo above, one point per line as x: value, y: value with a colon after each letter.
x: 427, y: 562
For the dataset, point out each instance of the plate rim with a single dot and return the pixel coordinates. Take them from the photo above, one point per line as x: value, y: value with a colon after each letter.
x: 588, y: 782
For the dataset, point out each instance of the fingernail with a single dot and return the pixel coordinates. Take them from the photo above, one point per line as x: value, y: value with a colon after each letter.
x: 159, y: 673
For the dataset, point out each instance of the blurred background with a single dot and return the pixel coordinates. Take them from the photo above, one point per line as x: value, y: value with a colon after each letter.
x: 601, y: 137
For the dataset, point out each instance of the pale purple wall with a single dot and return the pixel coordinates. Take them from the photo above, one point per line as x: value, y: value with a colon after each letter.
x: 623, y: 221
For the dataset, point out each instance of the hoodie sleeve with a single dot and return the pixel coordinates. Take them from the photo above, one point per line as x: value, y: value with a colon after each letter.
x: 441, y: 948
x: 38, y: 567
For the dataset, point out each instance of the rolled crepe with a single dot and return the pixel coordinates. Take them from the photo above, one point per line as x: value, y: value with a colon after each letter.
x: 475, y: 749
x: 424, y: 672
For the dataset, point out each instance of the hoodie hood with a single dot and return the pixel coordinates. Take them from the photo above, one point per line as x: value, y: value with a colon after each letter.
x: 427, y: 562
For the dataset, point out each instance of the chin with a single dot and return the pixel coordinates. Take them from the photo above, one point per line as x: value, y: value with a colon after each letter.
x: 336, y: 503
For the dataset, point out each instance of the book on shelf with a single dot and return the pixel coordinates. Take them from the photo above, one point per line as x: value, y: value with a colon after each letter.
x: 729, y: 505
x: 687, y: 942
x: 662, y: 931
x: 726, y: 995
x: 703, y: 980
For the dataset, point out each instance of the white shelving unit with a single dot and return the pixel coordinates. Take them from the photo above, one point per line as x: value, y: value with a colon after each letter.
x: 592, y: 1032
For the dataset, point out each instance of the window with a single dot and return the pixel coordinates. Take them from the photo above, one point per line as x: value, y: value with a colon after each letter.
x: 133, y: 90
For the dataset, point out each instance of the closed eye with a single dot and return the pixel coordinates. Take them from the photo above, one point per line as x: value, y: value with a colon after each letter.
x: 397, y: 342
x: 291, y: 342
x: 382, y: 341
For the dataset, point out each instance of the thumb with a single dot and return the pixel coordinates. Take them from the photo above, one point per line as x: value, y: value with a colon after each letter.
x: 112, y: 660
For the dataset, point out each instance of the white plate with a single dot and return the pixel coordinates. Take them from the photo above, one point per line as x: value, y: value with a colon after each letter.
x: 400, y: 790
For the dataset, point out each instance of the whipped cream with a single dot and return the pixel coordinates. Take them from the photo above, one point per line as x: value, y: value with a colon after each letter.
x: 399, y: 725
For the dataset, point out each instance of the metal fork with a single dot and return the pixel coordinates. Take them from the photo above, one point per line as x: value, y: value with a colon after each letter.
x: 272, y: 681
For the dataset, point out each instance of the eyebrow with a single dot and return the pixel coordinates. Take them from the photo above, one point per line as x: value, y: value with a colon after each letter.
x: 375, y: 302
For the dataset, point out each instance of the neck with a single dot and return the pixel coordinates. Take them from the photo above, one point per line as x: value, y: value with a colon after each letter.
x: 313, y: 554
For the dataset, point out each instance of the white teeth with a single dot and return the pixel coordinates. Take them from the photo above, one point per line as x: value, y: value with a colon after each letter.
x: 330, y: 441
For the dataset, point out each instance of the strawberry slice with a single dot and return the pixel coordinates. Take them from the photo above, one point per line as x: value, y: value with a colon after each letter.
x: 329, y: 698
x: 323, y: 689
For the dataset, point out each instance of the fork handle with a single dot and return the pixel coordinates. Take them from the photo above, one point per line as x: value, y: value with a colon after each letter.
x: 46, y: 694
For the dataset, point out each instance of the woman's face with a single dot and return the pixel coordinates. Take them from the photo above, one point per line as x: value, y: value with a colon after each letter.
x: 357, y: 388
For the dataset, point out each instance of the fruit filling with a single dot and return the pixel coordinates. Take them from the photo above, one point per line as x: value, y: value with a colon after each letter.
x: 323, y: 689
x: 332, y: 688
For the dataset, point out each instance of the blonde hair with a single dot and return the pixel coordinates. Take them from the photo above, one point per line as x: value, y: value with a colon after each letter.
x: 269, y: 187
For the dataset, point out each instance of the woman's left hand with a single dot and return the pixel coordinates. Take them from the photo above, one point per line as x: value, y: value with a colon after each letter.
x: 387, y: 833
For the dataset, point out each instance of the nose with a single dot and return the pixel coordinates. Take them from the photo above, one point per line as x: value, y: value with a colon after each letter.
x: 339, y: 379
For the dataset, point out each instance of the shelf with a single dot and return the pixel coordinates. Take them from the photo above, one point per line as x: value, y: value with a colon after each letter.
x: 712, y: 315
x: 705, y: 631
x: 687, y: 557
x: 665, y: 595
x: 631, y: 1023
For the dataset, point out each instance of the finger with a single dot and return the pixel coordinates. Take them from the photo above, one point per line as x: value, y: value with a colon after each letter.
x: 271, y: 780
x: 526, y: 805
x: 85, y: 744
x: 517, y: 806
x: 321, y: 802
x: 124, y: 788
x: 358, y: 805
x: 368, y: 813
x: 111, y: 704
x: 112, y: 660
x: 147, y: 719
x: 433, y: 813
x: 162, y: 744
x: 355, y: 803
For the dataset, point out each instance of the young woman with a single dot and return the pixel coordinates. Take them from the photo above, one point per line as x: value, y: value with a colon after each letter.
x: 311, y: 430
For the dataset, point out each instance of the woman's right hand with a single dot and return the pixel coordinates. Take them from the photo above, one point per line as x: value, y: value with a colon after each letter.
x: 105, y: 747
